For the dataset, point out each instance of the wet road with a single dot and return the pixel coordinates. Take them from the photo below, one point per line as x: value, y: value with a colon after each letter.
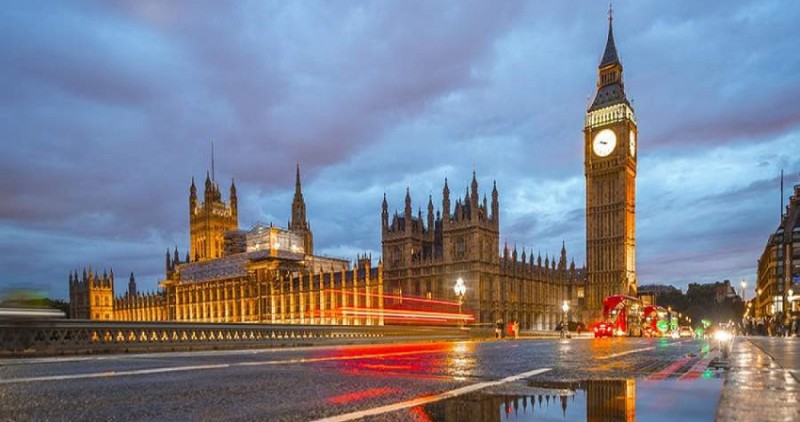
x: 377, y: 382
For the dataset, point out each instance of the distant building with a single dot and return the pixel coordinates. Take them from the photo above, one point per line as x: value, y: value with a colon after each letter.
x: 723, y: 290
x: 650, y: 293
x: 779, y: 264
x: 425, y: 257
x: 92, y: 295
x: 658, y: 289
x: 265, y: 274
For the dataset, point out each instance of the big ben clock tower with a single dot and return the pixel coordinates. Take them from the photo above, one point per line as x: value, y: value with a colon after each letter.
x: 610, y: 151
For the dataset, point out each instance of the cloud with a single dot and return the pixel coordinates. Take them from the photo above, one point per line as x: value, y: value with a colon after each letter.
x: 111, y: 107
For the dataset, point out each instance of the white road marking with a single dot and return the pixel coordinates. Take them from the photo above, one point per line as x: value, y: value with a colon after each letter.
x: 616, y: 355
x: 429, y: 399
x: 112, y: 373
x: 108, y: 374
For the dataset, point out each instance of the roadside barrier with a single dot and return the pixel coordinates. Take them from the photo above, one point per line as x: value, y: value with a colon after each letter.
x: 62, y: 337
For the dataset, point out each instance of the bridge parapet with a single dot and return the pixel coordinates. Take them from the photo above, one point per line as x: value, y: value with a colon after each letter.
x: 42, y: 338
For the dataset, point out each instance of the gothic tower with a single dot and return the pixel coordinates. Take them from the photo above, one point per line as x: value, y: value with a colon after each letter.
x: 610, y: 151
x: 425, y: 256
x: 299, y: 221
x: 91, y: 296
x: 209, y: 221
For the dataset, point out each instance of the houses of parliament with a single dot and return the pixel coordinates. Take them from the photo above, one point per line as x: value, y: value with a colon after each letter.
x: 268, y: 274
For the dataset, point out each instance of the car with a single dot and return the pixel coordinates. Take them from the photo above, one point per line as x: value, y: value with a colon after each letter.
x: 603, y: 329
x: 685, y: 331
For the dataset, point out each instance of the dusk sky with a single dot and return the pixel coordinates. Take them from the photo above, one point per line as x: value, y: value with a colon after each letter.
x: 109, y: 108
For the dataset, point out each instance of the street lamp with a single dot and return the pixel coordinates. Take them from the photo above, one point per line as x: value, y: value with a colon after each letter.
x: 564, y: 327
x: 460, y: 289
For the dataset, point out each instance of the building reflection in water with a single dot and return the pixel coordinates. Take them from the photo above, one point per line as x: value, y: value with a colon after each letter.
x: 605, y: 400
x: 611, y: 400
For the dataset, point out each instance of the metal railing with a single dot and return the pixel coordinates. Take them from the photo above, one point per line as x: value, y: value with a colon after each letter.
x: 51, y: 337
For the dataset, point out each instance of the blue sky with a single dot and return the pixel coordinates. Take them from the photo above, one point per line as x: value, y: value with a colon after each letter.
x: 109, y: 108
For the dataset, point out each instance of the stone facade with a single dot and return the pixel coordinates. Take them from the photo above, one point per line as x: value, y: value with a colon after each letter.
x: 425, y: 256
x: 267, y: 274
x: 91, y: 296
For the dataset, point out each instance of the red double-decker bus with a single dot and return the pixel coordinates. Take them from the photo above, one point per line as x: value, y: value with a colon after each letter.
x: 622, y: 316
x: 653, y: 315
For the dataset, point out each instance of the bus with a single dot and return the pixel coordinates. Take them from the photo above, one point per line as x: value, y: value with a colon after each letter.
x: 26, y: 304
x: 655, y: 322
x: 622, y: 316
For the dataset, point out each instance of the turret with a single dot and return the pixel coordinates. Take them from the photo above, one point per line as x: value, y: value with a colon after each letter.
x: 299, y: 223
x: 233, y: 199
x: 467, y: 205
x: 445, y: 204
x: 430, y: 213
x: 192, y: 198
x: 407, y: 211
x: 131, y: 286
x: 168, y: 266
x: 495, y: 204
x: 474, y: 193
x: 209, y: 191
x: 385, y: 213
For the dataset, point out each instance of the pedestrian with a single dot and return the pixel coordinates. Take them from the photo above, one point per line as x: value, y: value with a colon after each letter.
x: 498, y: 328
x: 516, y: 329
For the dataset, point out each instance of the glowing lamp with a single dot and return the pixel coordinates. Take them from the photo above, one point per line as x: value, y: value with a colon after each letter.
x: 460, y: 289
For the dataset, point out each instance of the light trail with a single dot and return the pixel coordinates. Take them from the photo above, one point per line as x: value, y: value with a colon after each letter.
x: 110, y: 374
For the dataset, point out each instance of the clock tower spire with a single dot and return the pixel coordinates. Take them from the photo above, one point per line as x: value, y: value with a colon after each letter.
x: 610, y: 151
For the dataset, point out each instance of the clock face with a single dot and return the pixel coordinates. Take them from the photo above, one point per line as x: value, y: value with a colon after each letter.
x: 633, y: 143
x: 604, y: 142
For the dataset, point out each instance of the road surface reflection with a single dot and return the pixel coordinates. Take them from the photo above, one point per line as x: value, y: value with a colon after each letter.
x: 591, y: 400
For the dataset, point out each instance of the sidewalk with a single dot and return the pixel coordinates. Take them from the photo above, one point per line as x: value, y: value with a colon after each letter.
x: 757, y: 388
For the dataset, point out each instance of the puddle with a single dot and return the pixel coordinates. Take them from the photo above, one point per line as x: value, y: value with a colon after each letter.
x: 591, y: 400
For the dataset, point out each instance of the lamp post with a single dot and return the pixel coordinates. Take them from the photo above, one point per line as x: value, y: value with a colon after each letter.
x: 789, y: 316
x: 460, y: 289
x: 564, y: 326
x: 744, y: 287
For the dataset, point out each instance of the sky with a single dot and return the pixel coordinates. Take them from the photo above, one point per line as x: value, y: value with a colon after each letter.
x: 109, y: 108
